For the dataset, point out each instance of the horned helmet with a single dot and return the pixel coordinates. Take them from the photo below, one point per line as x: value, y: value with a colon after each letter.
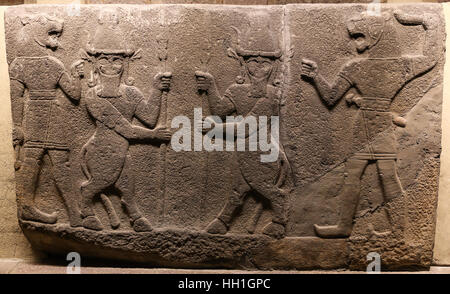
x: 258, y: 51
x: 109, y: 52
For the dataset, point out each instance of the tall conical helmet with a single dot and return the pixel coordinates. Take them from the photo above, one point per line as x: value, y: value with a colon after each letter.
x: 258, y: 40
x: 108, y: 38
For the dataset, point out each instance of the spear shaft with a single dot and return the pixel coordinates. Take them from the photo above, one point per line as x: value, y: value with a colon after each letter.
x: 162, y: 56
x: 206, y: 111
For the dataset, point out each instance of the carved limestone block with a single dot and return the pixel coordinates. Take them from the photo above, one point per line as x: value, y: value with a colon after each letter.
x: 271, y: 137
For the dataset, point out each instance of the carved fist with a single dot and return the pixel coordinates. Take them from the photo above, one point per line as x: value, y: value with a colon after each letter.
x: 399, y: 121
x: 162, y: 134
x: 17, y: 164
x: 427, y: 20
x: 353, y: 99
x: 17, y: 136
x: 77, y: 69
x: 162, y: 81
x: 204, y: 80
x: 309, y: 68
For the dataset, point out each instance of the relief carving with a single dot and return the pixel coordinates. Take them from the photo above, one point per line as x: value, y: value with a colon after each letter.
x: 37, y: 124
x: 253, y: 95
x: 378, y: 75
x: 97, y: 170
x: 113, y: 104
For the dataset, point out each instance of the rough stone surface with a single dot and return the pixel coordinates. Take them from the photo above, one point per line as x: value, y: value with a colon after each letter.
x: 359, y: 99
x: 13, y: 243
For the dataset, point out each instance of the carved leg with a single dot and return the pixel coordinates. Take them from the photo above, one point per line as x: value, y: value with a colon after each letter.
x: 389, y: 178
x: 348, y: 197
x: 392, y: 189
x: 61, y: 174
x: 221, y: 224
x: 277, y: 198
x: 28, y: 177
x: 89, y: 190
x: 125, y: 184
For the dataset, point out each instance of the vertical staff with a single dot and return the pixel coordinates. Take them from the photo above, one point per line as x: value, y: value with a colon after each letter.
x: 204, y: 60
x: 162, y: 56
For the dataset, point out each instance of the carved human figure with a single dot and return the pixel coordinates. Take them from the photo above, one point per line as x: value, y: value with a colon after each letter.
x: 253, y: 95
x: 113, y: 104
x: 377, y: 76
x: 36, y: 112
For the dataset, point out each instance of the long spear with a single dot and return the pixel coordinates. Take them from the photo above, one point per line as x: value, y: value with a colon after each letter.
x: 204, y: 60
x: 162, y: 56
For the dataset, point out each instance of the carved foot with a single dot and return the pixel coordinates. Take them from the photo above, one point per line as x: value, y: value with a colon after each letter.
x: 217, y: 227
x: 142, y: 225
x: 375, y: 234
x: 274, y: 230
x: 92, y: 223
x: 333, y: 231
x: 75, y: 221
x: 34, y: 214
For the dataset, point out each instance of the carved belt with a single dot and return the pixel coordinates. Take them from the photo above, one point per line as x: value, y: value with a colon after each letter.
x: 375, y: 156
x: 46, y: 145
x: 43, y: 94
x: 375, y: 104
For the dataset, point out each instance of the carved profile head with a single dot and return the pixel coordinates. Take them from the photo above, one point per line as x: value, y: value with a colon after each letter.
x: 367, y: 29
x: 45, y: 29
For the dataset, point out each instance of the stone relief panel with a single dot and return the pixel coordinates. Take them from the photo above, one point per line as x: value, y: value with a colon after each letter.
x: 295, y: 136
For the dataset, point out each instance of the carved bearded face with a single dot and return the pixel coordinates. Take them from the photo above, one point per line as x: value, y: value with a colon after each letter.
x: 110, y: 65
x: 259, y: 67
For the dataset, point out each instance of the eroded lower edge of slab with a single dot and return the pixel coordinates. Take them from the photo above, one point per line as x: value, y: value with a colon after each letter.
x: 191, y: 249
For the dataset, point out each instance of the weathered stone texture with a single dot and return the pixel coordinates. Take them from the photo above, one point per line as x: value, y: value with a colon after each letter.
x: 97, y: 98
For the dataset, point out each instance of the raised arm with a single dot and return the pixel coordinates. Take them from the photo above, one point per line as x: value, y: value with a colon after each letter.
x: 430, y: 54
x: 329, y: 93
x: 71, y: 83
x: 148, y: 110
x: 221, y: 106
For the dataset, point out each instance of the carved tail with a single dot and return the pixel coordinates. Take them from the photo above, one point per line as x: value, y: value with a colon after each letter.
x: 84, y: 167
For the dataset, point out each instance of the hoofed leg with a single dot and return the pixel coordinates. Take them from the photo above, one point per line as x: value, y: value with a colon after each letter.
x: 276, y: 228
x: 221, y: 224
x: 89, y: 190
x: 125, y: 184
